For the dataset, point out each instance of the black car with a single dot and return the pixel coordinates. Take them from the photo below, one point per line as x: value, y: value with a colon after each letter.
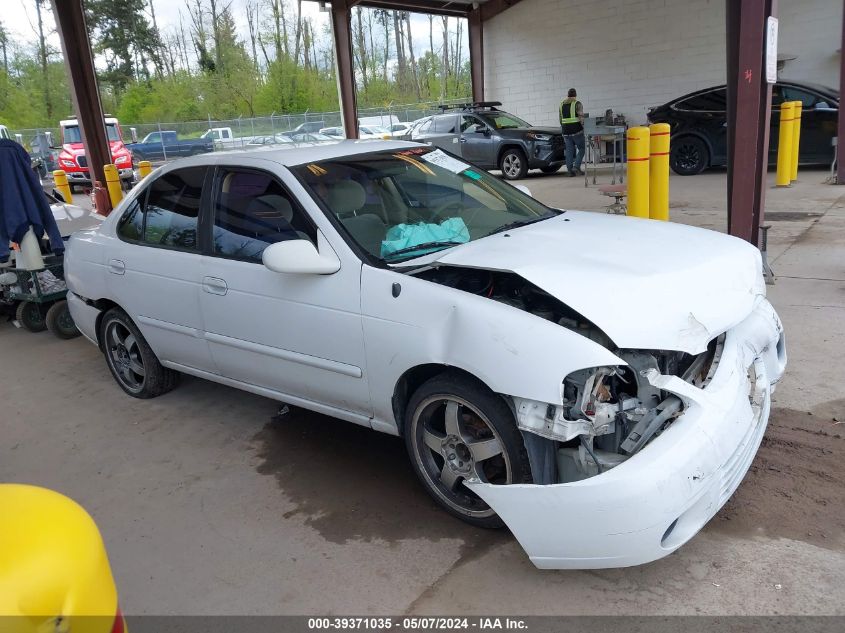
x: 490, y: 138
x: 699, y: 125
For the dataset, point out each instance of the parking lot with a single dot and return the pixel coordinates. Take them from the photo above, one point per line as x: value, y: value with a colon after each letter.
x: 210, y: 504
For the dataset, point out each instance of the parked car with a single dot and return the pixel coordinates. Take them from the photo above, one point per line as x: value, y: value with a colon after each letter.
x: 54, y: 569
x: 167, y: 144
x: 699, y: 125
x: 399, y: 130
x: 334, y: 132
x: 373, y: 131
x: 271, y: 139
x: 310, y: 126
x: 224, y: 138
x: 308, y: 137
x: 493, y: 139
x: 395, y: 286
x: 74, y: 163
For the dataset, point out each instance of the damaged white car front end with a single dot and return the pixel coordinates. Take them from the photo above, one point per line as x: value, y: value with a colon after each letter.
x: 643, y: 507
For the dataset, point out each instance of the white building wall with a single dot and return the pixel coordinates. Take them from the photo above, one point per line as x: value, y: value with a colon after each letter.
x: 629, y: 55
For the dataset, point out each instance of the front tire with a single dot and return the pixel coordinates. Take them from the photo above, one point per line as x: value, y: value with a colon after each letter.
x: 456, y: 429
x: 513, y: 164
x: 689, y: 156
x: 131, y: 360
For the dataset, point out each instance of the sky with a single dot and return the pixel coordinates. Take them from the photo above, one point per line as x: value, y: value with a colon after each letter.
x: 19, y: 17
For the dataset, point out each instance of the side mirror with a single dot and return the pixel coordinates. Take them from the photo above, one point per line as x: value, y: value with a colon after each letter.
x: 299, y: 256
x: 486, y: 131
x: 524, y: 190
x: 823, y: 106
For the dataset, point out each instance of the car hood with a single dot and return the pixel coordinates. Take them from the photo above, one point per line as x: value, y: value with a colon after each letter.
x: 647, y: 284
x: 78, y: 149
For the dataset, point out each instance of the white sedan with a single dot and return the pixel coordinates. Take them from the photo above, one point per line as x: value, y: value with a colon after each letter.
x: 599, y: 384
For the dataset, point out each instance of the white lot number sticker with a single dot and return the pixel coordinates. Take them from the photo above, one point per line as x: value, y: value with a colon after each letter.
x: 445, y: 161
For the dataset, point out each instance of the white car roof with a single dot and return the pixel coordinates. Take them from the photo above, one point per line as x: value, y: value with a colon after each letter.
x: 290, y: 156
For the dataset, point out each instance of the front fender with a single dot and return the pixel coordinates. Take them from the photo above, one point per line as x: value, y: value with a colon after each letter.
x: 511, y: 351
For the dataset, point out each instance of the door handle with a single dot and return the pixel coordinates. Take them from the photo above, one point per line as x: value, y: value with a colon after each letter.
x: 214, y: 286
x: 116, y: 267
x: 463, y: 140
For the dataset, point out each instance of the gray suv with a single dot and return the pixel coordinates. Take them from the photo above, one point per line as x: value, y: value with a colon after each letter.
x: 490, y: 138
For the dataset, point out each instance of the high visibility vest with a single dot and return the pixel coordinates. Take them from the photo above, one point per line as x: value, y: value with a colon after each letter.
x: 573, y: 108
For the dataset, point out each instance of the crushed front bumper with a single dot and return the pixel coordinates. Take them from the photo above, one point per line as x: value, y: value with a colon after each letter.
x: 657, y: 500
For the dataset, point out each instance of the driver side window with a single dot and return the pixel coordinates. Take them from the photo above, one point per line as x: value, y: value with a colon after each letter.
x: 471, y: 125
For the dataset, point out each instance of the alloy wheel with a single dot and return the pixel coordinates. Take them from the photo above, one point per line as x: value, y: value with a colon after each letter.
x: 454, y: 442
x: 511, y: 165
x: 124, y: 356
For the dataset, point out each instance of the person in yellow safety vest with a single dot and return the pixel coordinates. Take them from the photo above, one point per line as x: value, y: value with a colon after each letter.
x: 572, y: 126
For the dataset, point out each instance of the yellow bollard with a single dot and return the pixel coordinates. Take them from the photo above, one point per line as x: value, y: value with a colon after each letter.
x: 784, y: 171
x: 796, y: 138
x: 658, y: 171
x: 638, y: 157
x: 144, y: 168
x: 113, y: 185
x: 60, y: 180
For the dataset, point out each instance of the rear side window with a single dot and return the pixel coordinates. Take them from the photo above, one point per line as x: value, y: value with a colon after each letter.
x: 713, y: 101
x: 446, y: 125
x: 253, y: 210
x: 168, y: 215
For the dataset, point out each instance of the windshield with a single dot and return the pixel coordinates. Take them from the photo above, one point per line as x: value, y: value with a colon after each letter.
x: 72, y: 133
x: 401, y: 204
x: 503, y: 120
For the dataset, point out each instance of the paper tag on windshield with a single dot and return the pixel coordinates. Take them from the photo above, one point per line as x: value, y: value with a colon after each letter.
x: 445, y: 161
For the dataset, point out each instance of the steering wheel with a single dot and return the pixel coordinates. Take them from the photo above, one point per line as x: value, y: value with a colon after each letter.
x: 441, y: 209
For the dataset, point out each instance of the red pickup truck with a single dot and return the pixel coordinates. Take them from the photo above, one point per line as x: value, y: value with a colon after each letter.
x: 72, y: 158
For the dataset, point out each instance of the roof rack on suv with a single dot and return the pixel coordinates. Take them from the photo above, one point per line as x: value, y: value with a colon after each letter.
x: 477, y: 105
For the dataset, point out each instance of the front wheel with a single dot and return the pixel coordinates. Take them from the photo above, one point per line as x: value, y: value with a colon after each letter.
x: 513, y: 164
x: 131, y: 360
x: 457, y: 429
x: 689, y: 156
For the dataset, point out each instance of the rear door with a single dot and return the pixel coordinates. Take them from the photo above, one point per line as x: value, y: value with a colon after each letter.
x: 154, y: 267
x: 445, y: 132
x: 818, y: 124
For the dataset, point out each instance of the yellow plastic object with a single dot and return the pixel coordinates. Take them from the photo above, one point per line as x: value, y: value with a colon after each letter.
x: 658, y: 171
x: 113, y: 185
x: 638, y: 144
x: 54, y: 571
x: 145, y: 167
x: 60, y: 180
x: 784, y: 170
x: 796, y: 138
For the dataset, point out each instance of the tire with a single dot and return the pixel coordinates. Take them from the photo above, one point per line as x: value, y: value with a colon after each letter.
x: 31, y: 317
x: 443, y: 454
x: 689, y: 156
x: 131, y: 361
x: 513, y: 164
x: 550, y: 169
x: 59, y: 321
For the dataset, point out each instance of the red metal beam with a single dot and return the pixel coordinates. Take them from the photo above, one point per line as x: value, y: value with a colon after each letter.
x: 345, y: 69
x: 749, y: 111
x: 79, y: 61
x: 476, y: 54
x: 840, y: 141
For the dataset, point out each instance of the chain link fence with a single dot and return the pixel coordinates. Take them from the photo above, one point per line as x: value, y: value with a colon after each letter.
x: 194, y: 137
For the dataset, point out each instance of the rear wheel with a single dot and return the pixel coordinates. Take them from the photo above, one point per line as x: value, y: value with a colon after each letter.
x: 60, y: 322
x: 513, y: 164
x: 131, y: 360
x: 689, y: 156
x: 457, y: 429
x: 30, y: 316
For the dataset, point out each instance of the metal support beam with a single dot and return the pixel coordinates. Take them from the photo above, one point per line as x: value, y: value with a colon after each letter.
x: 749, y: 111
x: 343, y: 66
x: 476, y: 54
x: 79, y: 61
x: 840, y: 145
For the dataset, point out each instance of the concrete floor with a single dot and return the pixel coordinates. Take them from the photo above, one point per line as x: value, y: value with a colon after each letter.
x: 207, y: 506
